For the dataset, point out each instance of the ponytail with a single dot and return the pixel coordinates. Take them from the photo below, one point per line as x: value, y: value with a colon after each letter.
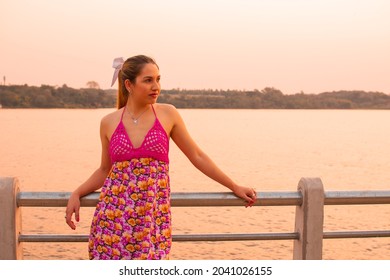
x: 123, y: 94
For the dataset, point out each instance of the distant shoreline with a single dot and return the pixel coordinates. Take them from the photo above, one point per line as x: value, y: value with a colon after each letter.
x: 24, y: 96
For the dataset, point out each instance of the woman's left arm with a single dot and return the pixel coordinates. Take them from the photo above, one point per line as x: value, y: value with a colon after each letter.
x: 203, y: 162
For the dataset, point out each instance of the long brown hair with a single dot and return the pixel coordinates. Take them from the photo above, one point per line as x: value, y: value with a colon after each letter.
x: 130, y: 70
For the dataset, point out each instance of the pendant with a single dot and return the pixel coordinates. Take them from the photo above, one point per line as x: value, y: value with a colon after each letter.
x: 135, y: 121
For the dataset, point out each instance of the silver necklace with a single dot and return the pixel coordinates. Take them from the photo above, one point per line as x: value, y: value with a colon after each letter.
x: 135, y: 119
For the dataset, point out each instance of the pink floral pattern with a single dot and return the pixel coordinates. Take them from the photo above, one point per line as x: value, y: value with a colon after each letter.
x: 132, y: 219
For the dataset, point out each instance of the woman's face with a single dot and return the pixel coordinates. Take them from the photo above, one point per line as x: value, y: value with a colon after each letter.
x: 147, y: 85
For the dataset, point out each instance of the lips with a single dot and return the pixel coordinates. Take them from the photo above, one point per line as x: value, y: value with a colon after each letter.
x: 153, y: 95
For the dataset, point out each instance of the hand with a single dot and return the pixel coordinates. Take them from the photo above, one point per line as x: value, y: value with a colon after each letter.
x: 73, y: 207
x: 248, y: 194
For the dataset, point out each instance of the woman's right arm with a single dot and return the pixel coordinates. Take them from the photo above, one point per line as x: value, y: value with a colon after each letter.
x: 94, y: 182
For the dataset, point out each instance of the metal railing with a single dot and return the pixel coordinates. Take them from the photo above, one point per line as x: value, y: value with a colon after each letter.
x: 308, y: 236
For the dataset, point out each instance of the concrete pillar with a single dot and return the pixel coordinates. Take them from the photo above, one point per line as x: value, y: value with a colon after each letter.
x: 10, y: 220
x: 309, y: 220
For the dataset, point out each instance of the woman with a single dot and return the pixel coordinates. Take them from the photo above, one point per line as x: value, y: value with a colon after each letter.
x: 132, y: 219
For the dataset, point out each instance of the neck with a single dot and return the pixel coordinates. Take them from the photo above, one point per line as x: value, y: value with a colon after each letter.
x: 135, y: 108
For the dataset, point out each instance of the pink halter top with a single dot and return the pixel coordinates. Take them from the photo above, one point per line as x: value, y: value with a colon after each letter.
x: 155, y: 144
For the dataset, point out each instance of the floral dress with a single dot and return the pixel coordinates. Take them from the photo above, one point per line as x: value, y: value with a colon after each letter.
x: 132, y: 219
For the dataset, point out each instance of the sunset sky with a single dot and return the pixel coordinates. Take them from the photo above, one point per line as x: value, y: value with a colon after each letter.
x: 292, y: 45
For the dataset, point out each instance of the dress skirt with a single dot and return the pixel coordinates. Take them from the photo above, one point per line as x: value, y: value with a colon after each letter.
x: 132, y: 219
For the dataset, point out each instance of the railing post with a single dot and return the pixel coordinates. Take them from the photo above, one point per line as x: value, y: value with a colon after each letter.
x: 309, y: 220
x: 10, y: 220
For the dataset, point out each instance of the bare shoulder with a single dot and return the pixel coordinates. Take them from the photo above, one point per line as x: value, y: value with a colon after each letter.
x: 110, y: 121
x: 165, y: 108
x: 166, y: 111
x: 168, y: 116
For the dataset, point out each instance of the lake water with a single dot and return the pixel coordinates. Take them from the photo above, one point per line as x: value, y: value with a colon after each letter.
x: 57, y: 149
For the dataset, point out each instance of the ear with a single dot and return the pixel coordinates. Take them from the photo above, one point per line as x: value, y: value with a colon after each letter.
x: 128, y: 85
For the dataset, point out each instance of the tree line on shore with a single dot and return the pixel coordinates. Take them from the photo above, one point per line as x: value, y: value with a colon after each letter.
x: 45, y: 96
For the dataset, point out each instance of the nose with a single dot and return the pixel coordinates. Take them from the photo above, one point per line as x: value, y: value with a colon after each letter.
x: 156, y: 85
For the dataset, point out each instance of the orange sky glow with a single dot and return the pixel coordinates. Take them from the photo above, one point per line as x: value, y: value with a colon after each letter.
x: 292, y: 45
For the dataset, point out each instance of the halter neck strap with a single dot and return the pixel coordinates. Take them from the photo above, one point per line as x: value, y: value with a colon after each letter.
x: 153, y: 110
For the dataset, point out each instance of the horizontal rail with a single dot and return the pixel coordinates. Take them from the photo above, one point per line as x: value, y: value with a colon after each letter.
x: 308, y: 234
x: 357, y: 197
x: 176, y: 238
x: 214, y: 237
x: 213, y: 199
x: 178, y: 199
x: 356, y: 234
